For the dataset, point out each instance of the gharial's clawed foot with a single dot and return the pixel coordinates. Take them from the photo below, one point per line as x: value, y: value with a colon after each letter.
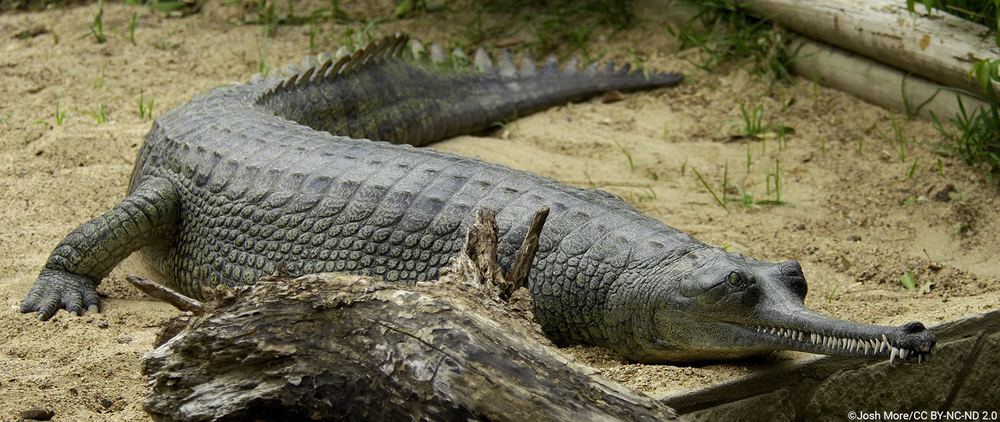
x: 55, y: 290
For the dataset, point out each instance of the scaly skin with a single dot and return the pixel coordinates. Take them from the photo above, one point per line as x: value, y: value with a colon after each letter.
x: 234, y: 182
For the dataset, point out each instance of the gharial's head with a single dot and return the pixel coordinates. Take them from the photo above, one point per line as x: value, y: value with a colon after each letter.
x: 709, y: 304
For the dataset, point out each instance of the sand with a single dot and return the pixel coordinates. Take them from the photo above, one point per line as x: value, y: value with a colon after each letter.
x: 855, y: 217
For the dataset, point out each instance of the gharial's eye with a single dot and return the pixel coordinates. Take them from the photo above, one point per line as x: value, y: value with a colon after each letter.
x: 735, y: 279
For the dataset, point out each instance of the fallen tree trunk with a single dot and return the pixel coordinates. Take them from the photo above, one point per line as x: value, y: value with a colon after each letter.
x: 942, y: 48
x: 875, y: 82
x: 340, y: 347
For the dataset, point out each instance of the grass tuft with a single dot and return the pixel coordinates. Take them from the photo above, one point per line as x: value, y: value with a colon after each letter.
x: 730, y: 33
x: 97, y: 27
x: 145, y: 108
x: 100, y: 115
x: 628, y: 154
x: 131, y: 27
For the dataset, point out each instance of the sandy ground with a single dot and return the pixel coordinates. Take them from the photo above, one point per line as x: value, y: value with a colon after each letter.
x: 854, y: 217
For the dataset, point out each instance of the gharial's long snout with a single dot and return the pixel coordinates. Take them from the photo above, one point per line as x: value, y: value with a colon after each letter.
x: 799, y: 328
x: 730, y: 306
x: 816, y: 333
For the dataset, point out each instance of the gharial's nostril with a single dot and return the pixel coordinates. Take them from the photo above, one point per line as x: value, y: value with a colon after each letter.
x: 913, y: 327
x: 791, y: 268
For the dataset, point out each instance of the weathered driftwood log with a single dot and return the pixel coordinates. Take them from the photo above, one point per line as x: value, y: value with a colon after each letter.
x: 942, y: 48
x: 875, y: 82
x: 334, y: 347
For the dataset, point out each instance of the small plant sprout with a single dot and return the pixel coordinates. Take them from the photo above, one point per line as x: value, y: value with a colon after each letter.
x: 725, y: 177
x: 145, y: 108
x: 60, y: 114
x: 745, y: 198
x: 100, y: 115
x: 98, y: 80
x: 815, y: 90
x: 913, y: 168
x: 131, y: 27
x: 909, y: 281
x: 752, y: 121
x: 829, y: 297
x: 897, y: 136
x: 638, y: 63
x: 940, y: 167
x: 262, y: 66
x: 776, y: 176
x: 783, y: 132
x: 628, y: 154
x: 97, y: 28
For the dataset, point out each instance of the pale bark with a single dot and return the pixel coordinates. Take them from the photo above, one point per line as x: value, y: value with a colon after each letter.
x: 941, y: 48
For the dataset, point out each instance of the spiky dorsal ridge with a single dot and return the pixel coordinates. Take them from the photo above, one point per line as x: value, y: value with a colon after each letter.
x: 327, y: 67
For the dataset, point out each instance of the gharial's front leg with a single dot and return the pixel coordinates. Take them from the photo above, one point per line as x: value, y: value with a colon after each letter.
x: 79, y: 263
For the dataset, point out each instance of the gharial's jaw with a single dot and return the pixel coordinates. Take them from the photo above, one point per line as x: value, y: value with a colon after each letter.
x: 910, y: 342
x: 804, y: 331
x: 727, y: 340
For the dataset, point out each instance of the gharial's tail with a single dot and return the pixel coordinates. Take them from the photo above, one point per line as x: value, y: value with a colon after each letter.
x: 392, y: 93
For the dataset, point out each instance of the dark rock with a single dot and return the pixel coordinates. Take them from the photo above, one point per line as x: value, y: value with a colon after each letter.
x: 38, y: 414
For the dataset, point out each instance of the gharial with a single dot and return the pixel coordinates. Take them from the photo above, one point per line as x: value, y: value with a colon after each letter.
x: 291, y: 169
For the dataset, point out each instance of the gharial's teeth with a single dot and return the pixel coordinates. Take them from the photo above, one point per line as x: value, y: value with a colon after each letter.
x: 813, y: 338
x: 865, y: 344
x: 903, y: 353
x: 892, y: 355
x: 802, y: 336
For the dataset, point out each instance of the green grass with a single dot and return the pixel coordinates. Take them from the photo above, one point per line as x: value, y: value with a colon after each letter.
x: 60, y: 114
x: 978, y: 137
x: 752, y: 125
x: 145, y: 108
x: 131, y: 27
x: 100, y: 114
x: 744, y: 197
x: 97, y: 27
x: 897, y: 136
x: 977, y: 140
x: 913, y: 168
x: 164, y: 43
x: 752, y: 121
x: 262, y: 66
x: 725, y: 181
x: 625, y: 150
x: 98, y: 80
x: 732, y: 34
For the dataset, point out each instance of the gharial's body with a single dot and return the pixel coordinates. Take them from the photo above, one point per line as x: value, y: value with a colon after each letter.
x: 230, y: 184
